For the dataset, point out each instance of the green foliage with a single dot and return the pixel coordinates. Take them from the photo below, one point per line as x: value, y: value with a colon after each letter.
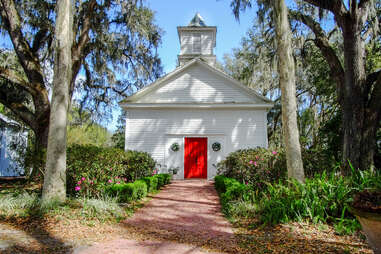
x: 92, y: 134
x: 151, y: 182
x: 167, y: 178
x: 103, y: 209
x: 17, y: 203
x: 118, y: 138
x: 325, y: 198
x: 230, y: 191
x: 24, y: 204
x: 83, y: 130
x: 128, y: 192
x: 90, y: 169
x: 160, y: 180
x: 317, y: 160
x: 254, y: 166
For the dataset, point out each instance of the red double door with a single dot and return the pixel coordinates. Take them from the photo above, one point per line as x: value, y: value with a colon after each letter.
x: 195, y: 157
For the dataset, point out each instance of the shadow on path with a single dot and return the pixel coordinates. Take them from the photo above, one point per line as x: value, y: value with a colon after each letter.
x: 185, y: 217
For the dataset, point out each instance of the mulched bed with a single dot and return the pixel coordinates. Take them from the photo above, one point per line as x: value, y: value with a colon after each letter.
x: 299, y: 238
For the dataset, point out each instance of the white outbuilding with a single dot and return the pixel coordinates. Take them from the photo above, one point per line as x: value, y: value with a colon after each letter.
x: 194, y: 116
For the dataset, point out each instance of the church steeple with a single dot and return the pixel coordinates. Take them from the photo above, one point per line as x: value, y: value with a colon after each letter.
x: 197, y: 20
x: 197, y: 40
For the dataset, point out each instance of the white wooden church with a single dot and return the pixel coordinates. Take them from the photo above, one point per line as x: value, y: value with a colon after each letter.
x: 195, y: 115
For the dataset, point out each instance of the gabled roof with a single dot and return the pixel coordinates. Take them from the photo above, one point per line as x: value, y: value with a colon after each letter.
x: 162, y: 81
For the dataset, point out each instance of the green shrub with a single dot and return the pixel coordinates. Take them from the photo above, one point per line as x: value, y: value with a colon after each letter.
x: 160, y: 180
x: 151, y: 182
x: 90, y: 169
x: 167, y: 178
x: 141, y: 189
x: 230, y: 191
x: 317, y: 161
x: 222, y: 183
x: 128, y: 192
x: 219, y: 183
x: 254, y: 167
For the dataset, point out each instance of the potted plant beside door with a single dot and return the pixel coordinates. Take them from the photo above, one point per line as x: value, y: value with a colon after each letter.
x: 366, y: 207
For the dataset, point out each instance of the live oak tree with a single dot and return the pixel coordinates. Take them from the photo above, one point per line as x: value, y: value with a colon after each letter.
x: 358, y: 89
x: 286, y: 69
x: 113, y: 54
x: 358, y: 86
x: 55, y: 172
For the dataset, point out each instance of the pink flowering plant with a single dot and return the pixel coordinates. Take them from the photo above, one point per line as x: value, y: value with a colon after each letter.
x: 255, y: 167
x: 91, y: 169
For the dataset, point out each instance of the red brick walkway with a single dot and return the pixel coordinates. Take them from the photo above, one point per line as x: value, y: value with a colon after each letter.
x: 183, y: 218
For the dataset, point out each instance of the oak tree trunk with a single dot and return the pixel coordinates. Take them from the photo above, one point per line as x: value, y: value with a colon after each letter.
x: 40, y: 147
x: 55, y: 175
x: 286, y: 70
x: 358, y: 120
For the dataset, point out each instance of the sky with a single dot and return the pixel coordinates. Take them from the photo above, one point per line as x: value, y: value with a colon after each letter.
x: 169, y: 14
x: 172, y: 13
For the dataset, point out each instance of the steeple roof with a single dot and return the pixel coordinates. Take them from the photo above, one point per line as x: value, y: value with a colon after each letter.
x: 197, y: 20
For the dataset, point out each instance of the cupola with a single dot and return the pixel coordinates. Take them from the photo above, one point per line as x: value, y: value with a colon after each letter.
x: 197, y: 40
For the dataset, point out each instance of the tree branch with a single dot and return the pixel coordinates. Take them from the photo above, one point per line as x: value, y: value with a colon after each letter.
x: 13, y: 77
x: 78, y: 48
x: 335, y: 6
x: 28, y: 59
x: 322, y: 42
x: 39, y: 39
x: 20, y: 110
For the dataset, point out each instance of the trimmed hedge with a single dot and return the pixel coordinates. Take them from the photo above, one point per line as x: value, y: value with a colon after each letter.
x: 163, y: 179
x: 128, y: 192
x: 230, y: 190
x: 167, y: 178
x: 151, y: 182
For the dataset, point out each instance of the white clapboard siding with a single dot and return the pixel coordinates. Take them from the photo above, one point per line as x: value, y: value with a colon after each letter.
x: 207, y: 43
x: 154, y: 130
x: 197, y: 84
x: 186, y: 43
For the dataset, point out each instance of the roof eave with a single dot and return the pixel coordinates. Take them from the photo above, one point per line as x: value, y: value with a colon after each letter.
x: 266, y: 106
